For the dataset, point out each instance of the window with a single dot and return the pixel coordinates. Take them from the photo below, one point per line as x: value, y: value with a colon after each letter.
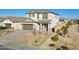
x: 45, y: 16
x: 31, y: 15
x: 37, y: 16
x: 56, y: 16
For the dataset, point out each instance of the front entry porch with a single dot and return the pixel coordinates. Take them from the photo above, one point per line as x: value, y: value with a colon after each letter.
x: 43, y: 27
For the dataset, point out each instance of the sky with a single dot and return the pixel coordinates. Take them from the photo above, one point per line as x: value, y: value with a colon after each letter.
x: 63, y: 13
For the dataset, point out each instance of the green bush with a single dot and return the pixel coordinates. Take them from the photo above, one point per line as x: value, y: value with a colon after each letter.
x: 36, y: 41
x: 55, y: 37
x: 2, y: 28
x: 64, y: 47
x: 57, y: 31
x: 51, y: 45
x: 58, y: 49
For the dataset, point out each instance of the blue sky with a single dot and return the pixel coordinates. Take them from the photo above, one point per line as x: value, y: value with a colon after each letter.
x: 64, y: 13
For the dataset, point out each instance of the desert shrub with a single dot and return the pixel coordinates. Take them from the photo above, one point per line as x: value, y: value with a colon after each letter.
x: 69, y: 23
x: 64, y: 29
x: 51, y: 45
x: 58, y: 49
x: 36, y: 41
x: 34, y: 31
x: 2, y: 28
x: 57, y: 31
x: 64, y: 47
x: 7, y: 31
x: 55, y: 37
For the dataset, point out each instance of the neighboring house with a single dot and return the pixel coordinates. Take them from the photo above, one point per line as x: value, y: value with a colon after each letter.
x: 40, y: 20
x: 12, y: 22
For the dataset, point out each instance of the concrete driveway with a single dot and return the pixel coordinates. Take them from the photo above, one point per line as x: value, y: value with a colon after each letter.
x: 9, y: 41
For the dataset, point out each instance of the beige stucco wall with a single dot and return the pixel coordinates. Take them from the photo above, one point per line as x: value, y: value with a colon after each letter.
x: 34, y: 18
x: 54, y: 21
x: 17, y: 25
x: 36, y: 26
x: 50, y: 16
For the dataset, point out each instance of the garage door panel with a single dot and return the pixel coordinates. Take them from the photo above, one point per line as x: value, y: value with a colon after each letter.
x: 8, y: 25
x: 27, y: 26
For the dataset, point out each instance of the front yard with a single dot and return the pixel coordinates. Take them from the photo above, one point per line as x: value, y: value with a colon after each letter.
x: 24, y: 39
x: 6, y: 31
x: 43, y: 40
x: 34, y: 39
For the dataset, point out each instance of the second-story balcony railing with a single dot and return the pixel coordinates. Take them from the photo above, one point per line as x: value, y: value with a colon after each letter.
x: 43, y: 21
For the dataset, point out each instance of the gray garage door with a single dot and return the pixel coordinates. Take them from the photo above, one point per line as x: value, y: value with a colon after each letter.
x: 27, y: 26
x: 7, y: 25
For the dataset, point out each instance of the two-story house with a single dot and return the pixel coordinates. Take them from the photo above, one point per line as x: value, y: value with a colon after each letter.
x: 45, y: 20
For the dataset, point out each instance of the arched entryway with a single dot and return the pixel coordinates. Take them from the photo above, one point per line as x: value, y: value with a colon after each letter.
x: 43, y: 27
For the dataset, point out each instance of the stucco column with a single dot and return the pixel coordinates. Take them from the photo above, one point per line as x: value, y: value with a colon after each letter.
x: 40, y: 27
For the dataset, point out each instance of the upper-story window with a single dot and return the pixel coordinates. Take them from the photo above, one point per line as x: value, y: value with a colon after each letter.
x: 38, y: 16
x: 45, y: 16
x: 31, y: 15
x: 56, y: 16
